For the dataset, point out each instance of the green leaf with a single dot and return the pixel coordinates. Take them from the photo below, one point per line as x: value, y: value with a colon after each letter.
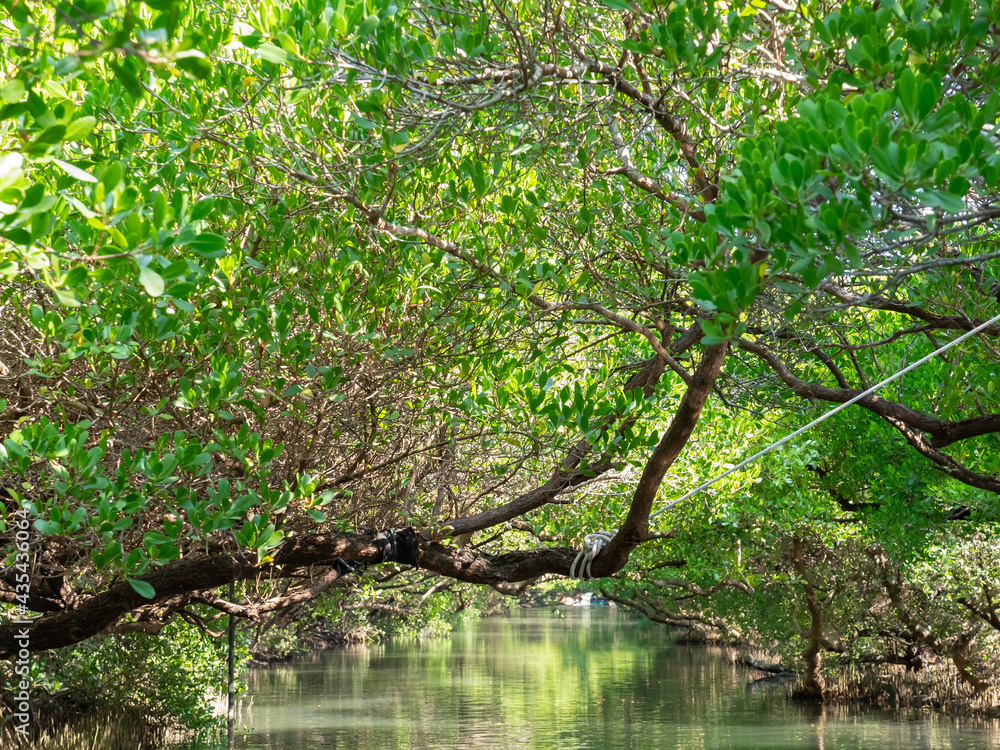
x: 950, y: 203
x: 12, y: 91
x: 80, y: 127
x: 55, y: 134
x: 123, y: 523
x: 197, y: 67
x: 129, y: 80
x: 142, y: 588
x: 48, y: 527
x: 112, y: 176
x: 288, y: 43
x: 159, y: 209
x: 398, y: 141
x: 202, y: 208
x: 155, y: 537
x: 906, y: 90
x: 75, y: 277
x: 102, y: 558
x: 273, y: 540
x: 272, y: 54
x: 958, y: 185
x: 368, y: 26
x: 241, y: 506
x: 926, y: 99
x: 209, y: 245
x: 615, y: 4
x: 67, y: 298
x: 151, y: 281
x: 74, y: 171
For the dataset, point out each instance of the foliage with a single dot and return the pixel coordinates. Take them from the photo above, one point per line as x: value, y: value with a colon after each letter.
x: 276, y: 276
x: 169, y: 679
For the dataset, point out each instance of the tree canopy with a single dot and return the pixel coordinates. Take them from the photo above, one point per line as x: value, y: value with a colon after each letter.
x: 276, y: 276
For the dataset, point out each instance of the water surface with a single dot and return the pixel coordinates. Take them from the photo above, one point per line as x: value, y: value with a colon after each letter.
x: 597, y: 680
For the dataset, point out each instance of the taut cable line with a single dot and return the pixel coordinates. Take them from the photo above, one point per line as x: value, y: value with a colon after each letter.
x: 594, y: 543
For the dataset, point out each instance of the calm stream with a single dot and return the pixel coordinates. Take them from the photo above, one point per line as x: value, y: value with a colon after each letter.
x: 596, y: 679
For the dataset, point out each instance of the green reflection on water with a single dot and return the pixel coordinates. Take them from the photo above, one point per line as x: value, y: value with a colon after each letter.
x: 595, y: 679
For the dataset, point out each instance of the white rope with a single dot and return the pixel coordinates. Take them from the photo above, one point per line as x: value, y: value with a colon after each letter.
x: 592, y: 544
x: 589, y: 555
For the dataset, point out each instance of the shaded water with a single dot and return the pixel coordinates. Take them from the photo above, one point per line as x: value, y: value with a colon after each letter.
x: 593, y: 680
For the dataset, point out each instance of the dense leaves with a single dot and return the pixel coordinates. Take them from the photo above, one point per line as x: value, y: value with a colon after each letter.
x: 279, y: 275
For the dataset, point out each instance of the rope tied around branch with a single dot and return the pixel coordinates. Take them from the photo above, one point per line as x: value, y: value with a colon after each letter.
x: 592, y: 545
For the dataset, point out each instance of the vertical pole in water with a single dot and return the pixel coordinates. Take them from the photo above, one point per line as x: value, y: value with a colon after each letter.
x: 232, y: 684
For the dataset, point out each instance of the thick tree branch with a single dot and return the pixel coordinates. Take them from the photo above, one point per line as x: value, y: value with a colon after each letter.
x: 636, y: 525
x: 939, y: 322
x: 943, y: 432
x: 945, y: 462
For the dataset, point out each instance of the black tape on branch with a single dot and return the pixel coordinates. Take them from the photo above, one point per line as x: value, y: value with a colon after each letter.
x: 408, y: 547
x: 344, y: 568
x: 399, y: 545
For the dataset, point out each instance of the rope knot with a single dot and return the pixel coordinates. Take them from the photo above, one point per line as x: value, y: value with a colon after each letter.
x: 592, y: 545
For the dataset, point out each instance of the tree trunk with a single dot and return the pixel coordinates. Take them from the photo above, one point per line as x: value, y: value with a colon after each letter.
x: 812, y: 686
